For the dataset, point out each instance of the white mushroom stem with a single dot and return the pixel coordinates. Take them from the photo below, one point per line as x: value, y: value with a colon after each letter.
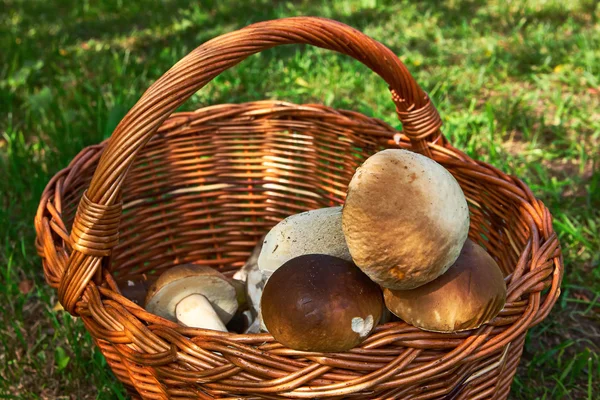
x: 196, y: 311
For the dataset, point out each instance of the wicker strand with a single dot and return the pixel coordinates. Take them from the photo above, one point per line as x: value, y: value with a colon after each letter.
x: 95, y: 232
x: 419, y: 124
x: 96, y: 228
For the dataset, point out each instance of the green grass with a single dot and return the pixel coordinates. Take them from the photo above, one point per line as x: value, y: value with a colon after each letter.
x: 517, y: 85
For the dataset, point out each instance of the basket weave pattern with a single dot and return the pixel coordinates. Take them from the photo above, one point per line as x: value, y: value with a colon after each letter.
x: 204, y: 186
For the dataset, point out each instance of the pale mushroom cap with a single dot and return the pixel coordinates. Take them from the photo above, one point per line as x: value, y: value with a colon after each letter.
x: 254, y: 286
x: 471, y: 293
x: 311, y: 232
x: 254, y: 279
x: 182, y: 281
x: 405, y: 219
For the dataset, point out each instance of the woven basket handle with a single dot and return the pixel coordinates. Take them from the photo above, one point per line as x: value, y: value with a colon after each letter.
x: 95, y: 229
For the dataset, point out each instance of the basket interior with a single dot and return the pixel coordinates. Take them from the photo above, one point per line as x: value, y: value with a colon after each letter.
x: 210, y: 184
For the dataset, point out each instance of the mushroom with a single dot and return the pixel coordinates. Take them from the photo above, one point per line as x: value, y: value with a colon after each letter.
x: 311, y: 232
x: 320, y: 303
x: 471, y: 293
x: 255, y: 281
x: 255, y: 285
x: 405, y: 219
x: 253, y: 278
x: 195, y: 296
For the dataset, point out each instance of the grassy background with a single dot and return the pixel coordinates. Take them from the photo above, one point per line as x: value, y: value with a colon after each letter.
x: 517, y: 84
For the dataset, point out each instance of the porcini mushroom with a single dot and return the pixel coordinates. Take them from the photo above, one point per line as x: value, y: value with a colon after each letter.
x: 471, y: 293
x: 255, y: 285
x: 405, y: 219
x: 320, y: 303
x: 195, y: 296
x: 311, y: 232
x: 254, y: 279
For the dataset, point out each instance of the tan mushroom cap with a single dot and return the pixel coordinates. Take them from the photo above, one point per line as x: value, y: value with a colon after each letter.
x: 184, y: 280
x: 320, y: 303
x: 405, y: 219
x: 471, y: 293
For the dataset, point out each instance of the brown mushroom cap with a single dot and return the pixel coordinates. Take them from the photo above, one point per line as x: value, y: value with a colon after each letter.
x: 320, y: 303
x: 471, y: 293
x: 405, y: 219
x: 181, y: 281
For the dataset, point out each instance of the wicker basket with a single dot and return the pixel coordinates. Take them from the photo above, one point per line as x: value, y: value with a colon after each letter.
x: 203, y: 186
